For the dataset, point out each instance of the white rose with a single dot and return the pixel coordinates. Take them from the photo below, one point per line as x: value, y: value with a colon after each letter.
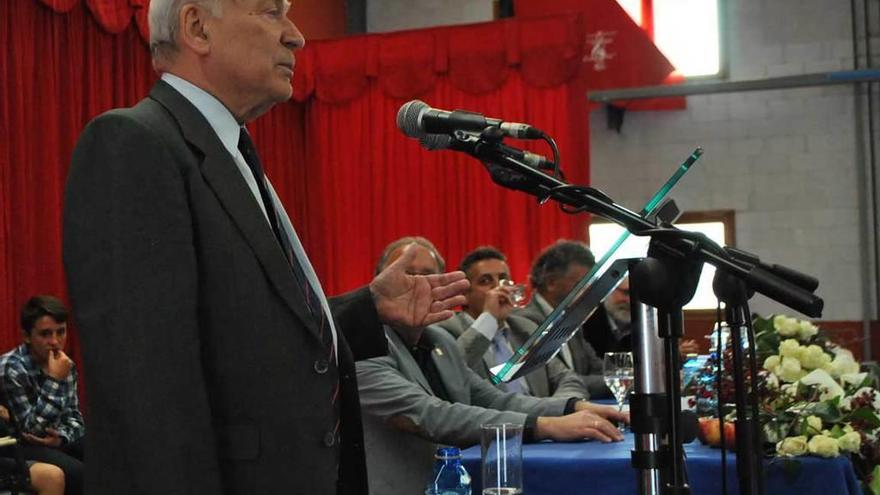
x: 771, y: 381
x: 792, y: 446
x: 826, y: 384
x: 790, y: 348
x: 850, y: 442
x: 807, y: 331
x: 785, y: 326
x: 813, y: 357
x: 790, y: 370
x: 771, y: 363
x: 853, y: 378
x: 823, y: 446
x: 813, y: 426
x: 843, y: 364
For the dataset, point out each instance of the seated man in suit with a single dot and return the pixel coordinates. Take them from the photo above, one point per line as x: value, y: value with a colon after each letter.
x: 39, y: 383
x: 422, y: 393
x: 488, y: 334
x: 554, y: 274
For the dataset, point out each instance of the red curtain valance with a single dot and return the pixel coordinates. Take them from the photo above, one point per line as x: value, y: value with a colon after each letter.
x: 113, y: 16
x: 477, y: 58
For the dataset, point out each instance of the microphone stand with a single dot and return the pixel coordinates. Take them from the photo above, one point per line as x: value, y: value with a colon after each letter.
x: 666, y: 280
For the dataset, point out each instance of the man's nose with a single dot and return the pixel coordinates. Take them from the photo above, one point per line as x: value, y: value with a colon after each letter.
x: 292, y: 37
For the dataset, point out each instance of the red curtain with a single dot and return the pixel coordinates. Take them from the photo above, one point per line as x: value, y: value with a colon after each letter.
x: 59, y: 70
x: 365, y: 184
x: 350, y: 180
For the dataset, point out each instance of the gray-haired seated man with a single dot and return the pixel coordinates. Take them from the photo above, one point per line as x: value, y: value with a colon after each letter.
x: 555, y: 272
x: 423, y: 393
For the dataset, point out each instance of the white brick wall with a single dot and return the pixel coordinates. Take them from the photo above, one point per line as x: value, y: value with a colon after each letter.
x: 394, y: 15
x: 784, y: 160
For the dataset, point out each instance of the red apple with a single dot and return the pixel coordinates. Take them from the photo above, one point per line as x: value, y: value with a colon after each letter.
x: 730, y: 435
x: 709, y: 431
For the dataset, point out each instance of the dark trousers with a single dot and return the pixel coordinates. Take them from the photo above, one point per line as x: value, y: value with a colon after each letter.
x: 69, y: 458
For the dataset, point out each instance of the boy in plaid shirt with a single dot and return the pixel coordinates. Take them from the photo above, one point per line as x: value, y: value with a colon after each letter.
x: 39, y: 384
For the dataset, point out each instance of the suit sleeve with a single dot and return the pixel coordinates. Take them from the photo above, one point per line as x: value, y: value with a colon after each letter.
x: 472, y: 344
x: 565, y: 382
x: 133, y: 278
x: 356, y: 317
x: 484, y: 394
x: 387, y: 394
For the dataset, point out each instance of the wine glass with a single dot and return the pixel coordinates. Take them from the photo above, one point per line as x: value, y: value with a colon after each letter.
x: 515, y: 292
x: 617, y: 368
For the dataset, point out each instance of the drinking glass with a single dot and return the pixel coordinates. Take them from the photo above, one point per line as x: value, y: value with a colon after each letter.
x: 515, y: 292
x: 502, y: 459
x: 617, y: 368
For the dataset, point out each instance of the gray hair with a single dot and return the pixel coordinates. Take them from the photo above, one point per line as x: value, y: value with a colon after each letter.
x: 164, y: 18
x: 555, y: 260
x: 405, y: 241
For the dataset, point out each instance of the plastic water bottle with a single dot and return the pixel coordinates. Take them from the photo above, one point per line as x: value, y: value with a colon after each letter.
x: 450, y: 477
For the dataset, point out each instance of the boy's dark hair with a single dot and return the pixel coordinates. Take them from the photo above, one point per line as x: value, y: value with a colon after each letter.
x: 40, y: 306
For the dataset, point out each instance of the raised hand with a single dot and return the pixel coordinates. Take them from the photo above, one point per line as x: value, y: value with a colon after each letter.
x: 414, y: 301
x: 58, y: 365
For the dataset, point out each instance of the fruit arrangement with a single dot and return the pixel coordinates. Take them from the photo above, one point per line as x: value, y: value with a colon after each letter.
x: 709, y: 433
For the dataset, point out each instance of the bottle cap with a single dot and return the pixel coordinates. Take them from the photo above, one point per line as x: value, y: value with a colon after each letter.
x: 447, y: 453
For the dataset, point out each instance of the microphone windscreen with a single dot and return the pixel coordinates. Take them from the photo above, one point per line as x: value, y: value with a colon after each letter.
x: 408, y: 118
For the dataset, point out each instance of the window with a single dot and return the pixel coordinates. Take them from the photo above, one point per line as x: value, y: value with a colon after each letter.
x: 686, y: 31
x: 718, y: 226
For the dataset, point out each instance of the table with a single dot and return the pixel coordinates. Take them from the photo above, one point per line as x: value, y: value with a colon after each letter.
x: 586, y: 468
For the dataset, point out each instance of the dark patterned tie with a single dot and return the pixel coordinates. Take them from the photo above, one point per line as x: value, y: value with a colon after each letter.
x: 313, y: 302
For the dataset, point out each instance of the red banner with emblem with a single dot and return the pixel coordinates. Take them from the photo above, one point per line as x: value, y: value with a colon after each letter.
x: 617, y: 53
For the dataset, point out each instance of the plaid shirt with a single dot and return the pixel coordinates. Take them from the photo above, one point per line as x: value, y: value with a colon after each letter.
x: 38, y: 401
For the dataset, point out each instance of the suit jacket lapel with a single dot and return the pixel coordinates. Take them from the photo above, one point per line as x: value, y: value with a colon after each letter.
x: 223, y: 177
x: 407, y: 364
x: 450, y: 375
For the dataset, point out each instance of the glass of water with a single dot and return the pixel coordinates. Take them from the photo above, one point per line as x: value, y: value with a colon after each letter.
x: 502, y: 459
x: 515, y: 292
x: 617, y: 368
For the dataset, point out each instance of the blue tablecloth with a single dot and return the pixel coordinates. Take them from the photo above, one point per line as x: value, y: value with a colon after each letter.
x: 587, y: 468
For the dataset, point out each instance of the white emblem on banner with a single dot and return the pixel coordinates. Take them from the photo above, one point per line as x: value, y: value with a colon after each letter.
x: 597, y: 49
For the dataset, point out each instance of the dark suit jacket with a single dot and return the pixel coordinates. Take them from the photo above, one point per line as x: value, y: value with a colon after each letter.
x: 585, y: 361
x: 204, y: 370
x: 597, y: 331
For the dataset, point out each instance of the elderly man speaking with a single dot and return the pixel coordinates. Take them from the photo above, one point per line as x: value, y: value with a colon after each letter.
x: 213, y: 362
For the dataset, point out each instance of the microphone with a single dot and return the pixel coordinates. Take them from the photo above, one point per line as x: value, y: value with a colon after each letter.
x: 415, y: 118
x: 432, y: 142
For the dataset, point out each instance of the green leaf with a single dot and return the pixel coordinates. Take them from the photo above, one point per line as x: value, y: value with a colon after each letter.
x: 875, y: 481
x: 865, y: 415
x: 829, y: 412
x: 837, y: 431
x: 767, y: 343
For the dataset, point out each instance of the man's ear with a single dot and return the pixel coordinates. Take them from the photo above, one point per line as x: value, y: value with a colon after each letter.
x: 193, y: 24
